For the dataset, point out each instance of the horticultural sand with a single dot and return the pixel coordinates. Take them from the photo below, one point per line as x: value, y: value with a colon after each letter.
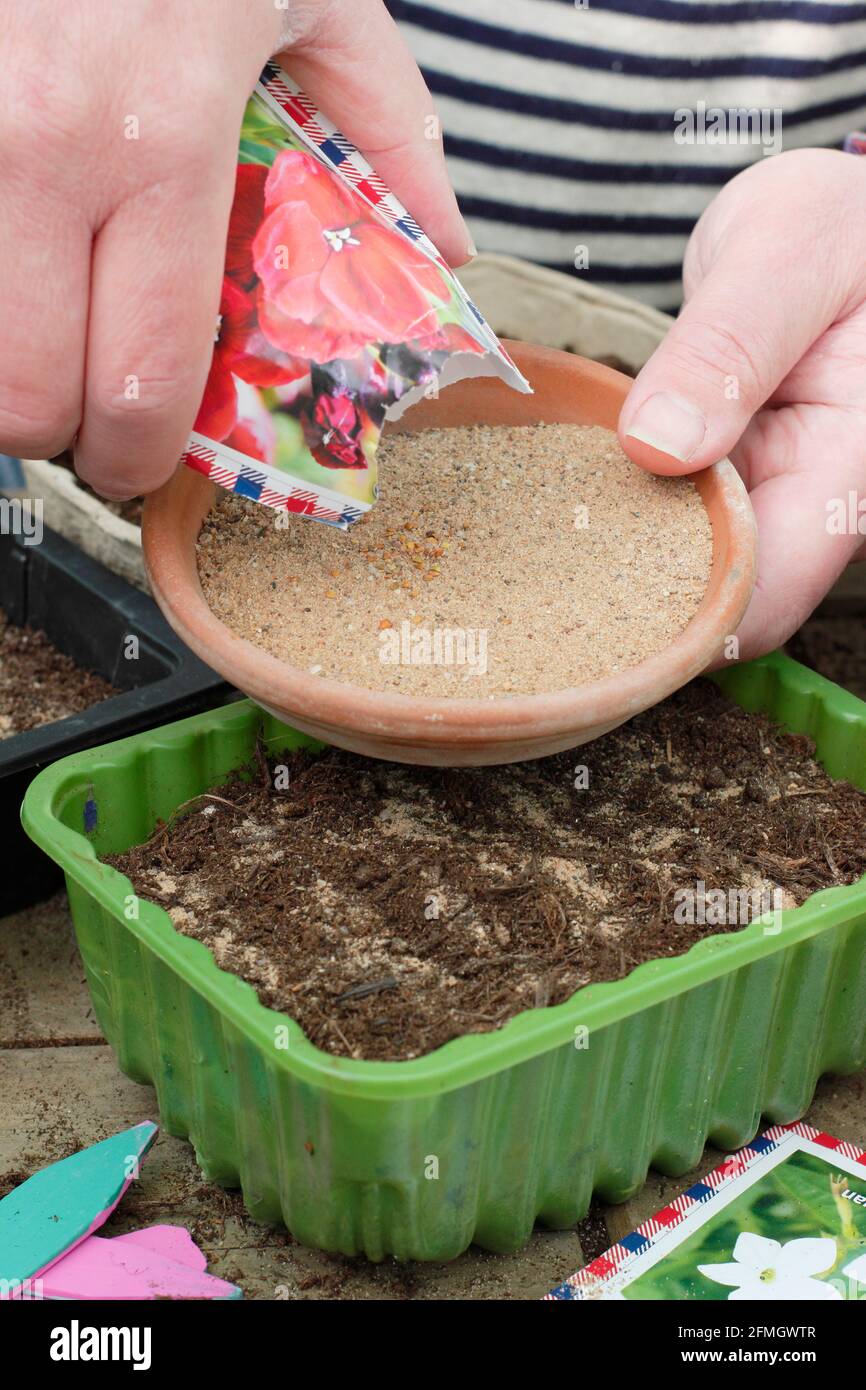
x: 554, y: 558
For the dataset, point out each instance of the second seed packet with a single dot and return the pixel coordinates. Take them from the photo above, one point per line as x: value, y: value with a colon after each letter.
x: 781, y: 1220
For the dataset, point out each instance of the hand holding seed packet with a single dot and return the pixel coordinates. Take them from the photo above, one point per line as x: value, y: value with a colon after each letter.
x: 336, y: 314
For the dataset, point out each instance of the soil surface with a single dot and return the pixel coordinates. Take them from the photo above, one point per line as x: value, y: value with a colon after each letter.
x: 389, y: 909
x: 835, y: 647
x: 38, y: 684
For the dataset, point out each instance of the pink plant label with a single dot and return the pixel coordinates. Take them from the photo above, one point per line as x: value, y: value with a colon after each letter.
x: 156, y: 1262
x: 337, y: 313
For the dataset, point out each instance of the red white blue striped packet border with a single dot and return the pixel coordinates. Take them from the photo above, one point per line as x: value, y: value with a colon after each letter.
x: 632, y: 1256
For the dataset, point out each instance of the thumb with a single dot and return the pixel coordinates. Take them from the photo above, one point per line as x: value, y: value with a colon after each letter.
x: 363, y: 76
x: 748, y: 323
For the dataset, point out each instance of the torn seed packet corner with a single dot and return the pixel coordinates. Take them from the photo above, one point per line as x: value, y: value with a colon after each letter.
x: 337, y: 313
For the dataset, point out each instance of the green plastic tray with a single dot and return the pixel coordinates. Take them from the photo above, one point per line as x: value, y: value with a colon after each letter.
x: 492, y: 1132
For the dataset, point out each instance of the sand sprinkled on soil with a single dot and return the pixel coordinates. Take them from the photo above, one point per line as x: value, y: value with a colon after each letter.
x: 388, y: 909
x: 549, y: 558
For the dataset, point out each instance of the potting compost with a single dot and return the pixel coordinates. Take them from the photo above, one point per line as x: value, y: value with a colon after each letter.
x: 38, y: 683
x: 437, y: 591
x: 389, y: 909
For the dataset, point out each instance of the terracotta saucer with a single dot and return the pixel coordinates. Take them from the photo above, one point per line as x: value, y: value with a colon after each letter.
x: 462, y: 732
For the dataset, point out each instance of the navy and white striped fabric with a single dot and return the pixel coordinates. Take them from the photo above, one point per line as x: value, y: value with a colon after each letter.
x: 559, y: 115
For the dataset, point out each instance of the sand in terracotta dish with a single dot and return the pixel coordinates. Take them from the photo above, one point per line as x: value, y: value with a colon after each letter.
x: 388, y: 909
x: 497, y: 561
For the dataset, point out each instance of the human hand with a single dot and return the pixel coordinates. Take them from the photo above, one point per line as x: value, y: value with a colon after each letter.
x: 119, y: 127
x: 767, y: 364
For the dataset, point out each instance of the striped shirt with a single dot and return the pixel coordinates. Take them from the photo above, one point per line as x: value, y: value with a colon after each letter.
x: 586, y: 136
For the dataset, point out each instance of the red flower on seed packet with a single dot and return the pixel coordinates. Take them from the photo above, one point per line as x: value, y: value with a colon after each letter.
x: 346, y: 401
x: 240, y: 350
x: 333, y: 277
x: 247, y: 215
x: 333, y: 427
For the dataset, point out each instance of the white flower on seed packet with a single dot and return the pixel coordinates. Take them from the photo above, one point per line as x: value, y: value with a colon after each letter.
x: 765, y: 1268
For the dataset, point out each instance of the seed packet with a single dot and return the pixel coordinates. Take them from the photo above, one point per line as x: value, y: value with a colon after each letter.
x: 783, y: 1219
x: 337, y: 313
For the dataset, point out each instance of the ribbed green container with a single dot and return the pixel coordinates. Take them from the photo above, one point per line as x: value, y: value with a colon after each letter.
x: 479, y: 1139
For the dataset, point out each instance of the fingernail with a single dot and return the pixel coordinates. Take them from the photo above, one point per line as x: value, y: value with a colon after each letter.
x: 670, y: 424
x: 472, y: 249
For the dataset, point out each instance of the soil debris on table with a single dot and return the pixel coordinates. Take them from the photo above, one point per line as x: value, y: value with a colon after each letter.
x: 388, y: 908
x: 38, y: 683
x: 550, y: 558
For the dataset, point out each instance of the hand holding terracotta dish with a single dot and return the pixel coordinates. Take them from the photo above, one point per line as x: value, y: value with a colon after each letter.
x: 512, y: 586
x: 464, y: 729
